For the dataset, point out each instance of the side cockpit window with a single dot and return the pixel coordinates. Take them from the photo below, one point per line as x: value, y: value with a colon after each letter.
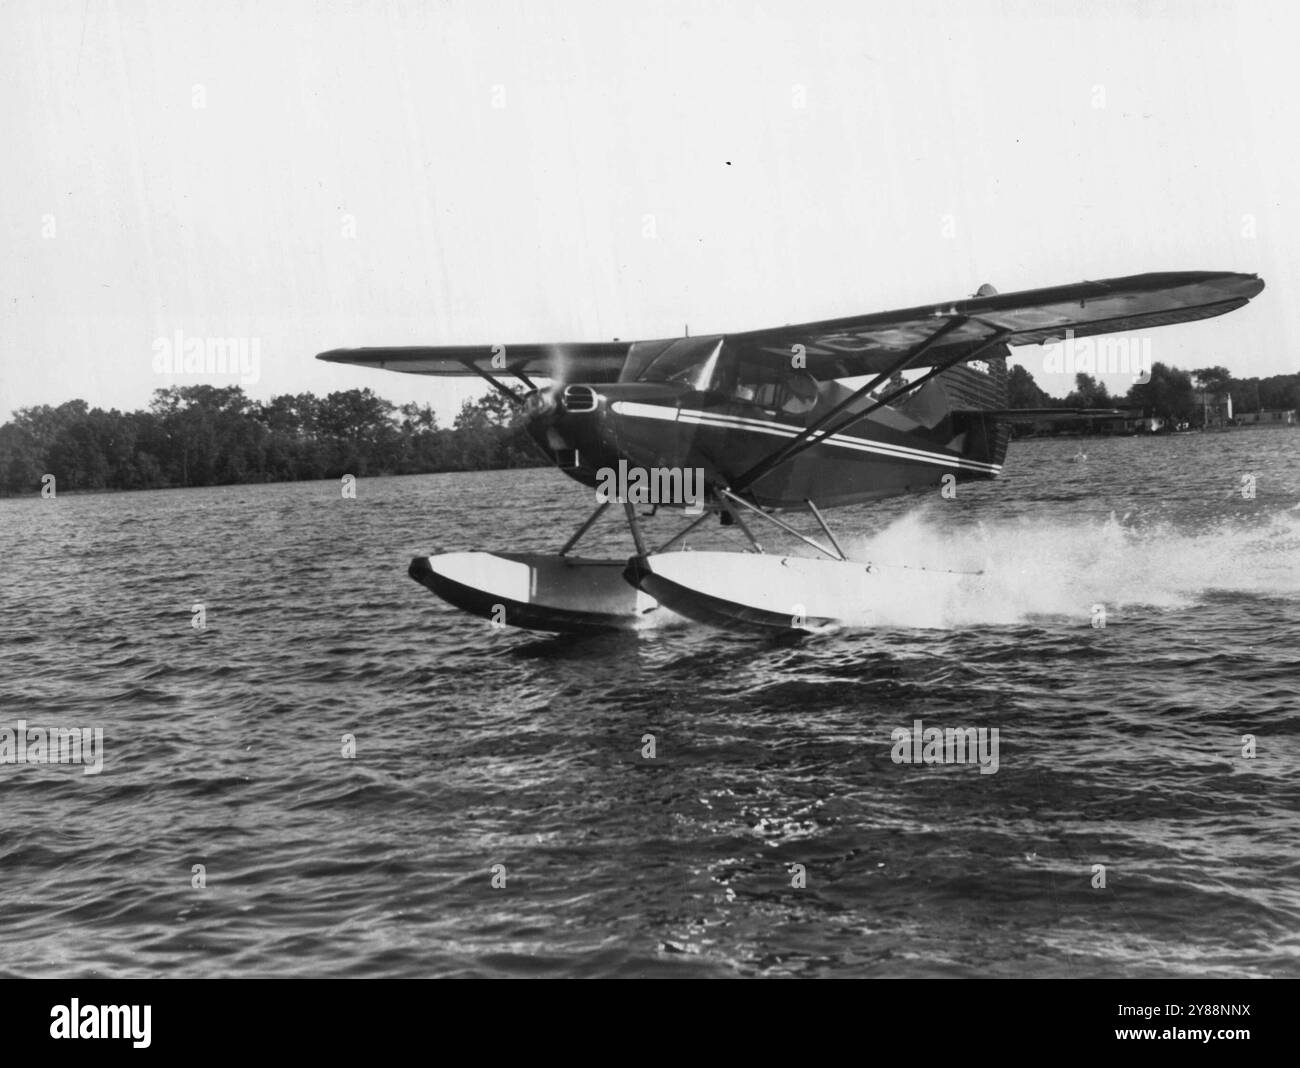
x: 709, y: 364
x: 782, y: 390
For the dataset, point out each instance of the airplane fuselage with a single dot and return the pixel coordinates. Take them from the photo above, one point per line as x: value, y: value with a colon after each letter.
x: 587, y: 429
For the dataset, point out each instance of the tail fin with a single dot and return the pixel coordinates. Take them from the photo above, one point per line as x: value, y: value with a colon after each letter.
x: 976, y: 387
x: 973, y: 389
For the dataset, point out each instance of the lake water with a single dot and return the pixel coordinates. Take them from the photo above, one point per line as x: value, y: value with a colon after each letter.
x: 1119, y: 745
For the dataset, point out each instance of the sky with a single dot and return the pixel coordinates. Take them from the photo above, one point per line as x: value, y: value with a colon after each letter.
x: 308, y: 176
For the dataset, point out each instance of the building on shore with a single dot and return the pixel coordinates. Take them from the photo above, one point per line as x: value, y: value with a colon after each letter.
x: 1140, y: 421
x: 1216, y: 410
x: 1267, y: 417
x: 1133, y: 421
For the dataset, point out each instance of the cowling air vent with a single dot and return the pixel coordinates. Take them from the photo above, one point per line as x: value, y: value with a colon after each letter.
x: 579, y: 399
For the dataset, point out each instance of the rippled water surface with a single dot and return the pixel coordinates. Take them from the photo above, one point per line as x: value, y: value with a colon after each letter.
x: 1120, y: 745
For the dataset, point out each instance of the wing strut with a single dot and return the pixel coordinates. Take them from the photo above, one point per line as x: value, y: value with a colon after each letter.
x: 518, y: 372
x: 515, y: 398
x: 803, y: 439
x: 810, y: 436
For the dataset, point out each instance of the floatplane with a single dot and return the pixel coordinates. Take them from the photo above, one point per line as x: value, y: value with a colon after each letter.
x: 746, y: 426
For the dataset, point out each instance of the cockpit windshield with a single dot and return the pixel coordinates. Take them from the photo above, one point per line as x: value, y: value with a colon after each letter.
x: 689, y: 361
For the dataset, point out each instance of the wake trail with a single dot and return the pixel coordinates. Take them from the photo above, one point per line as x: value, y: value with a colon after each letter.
x: 1043, y: 567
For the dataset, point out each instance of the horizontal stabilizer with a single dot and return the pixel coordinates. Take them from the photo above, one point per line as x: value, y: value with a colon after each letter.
x: 1034, y: 415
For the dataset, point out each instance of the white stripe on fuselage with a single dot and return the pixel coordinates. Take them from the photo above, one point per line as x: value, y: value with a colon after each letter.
x: 784, y: 430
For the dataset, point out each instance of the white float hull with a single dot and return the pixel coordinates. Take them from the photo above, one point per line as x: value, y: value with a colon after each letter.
x: 779, y: 593
x: 537, y: 591
x: 751, y: 591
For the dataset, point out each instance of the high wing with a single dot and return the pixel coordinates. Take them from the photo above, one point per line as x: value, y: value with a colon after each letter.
x: 936, y: 334
x: 582, y: 361
x: 871, y: 344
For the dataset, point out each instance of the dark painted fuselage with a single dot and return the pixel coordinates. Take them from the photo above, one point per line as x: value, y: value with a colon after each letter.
x: 893, y: 450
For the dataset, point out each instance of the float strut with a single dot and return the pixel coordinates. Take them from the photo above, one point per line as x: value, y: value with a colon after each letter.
x: 630, y: 509
x: 827, y: 530
x: 600, y: 509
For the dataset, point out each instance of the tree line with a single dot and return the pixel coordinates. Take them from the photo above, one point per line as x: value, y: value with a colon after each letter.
x: 1169, y: 393
x: 209, y: 436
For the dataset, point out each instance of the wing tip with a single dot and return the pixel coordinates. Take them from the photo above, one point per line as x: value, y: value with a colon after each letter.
x: 1241, y: 283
